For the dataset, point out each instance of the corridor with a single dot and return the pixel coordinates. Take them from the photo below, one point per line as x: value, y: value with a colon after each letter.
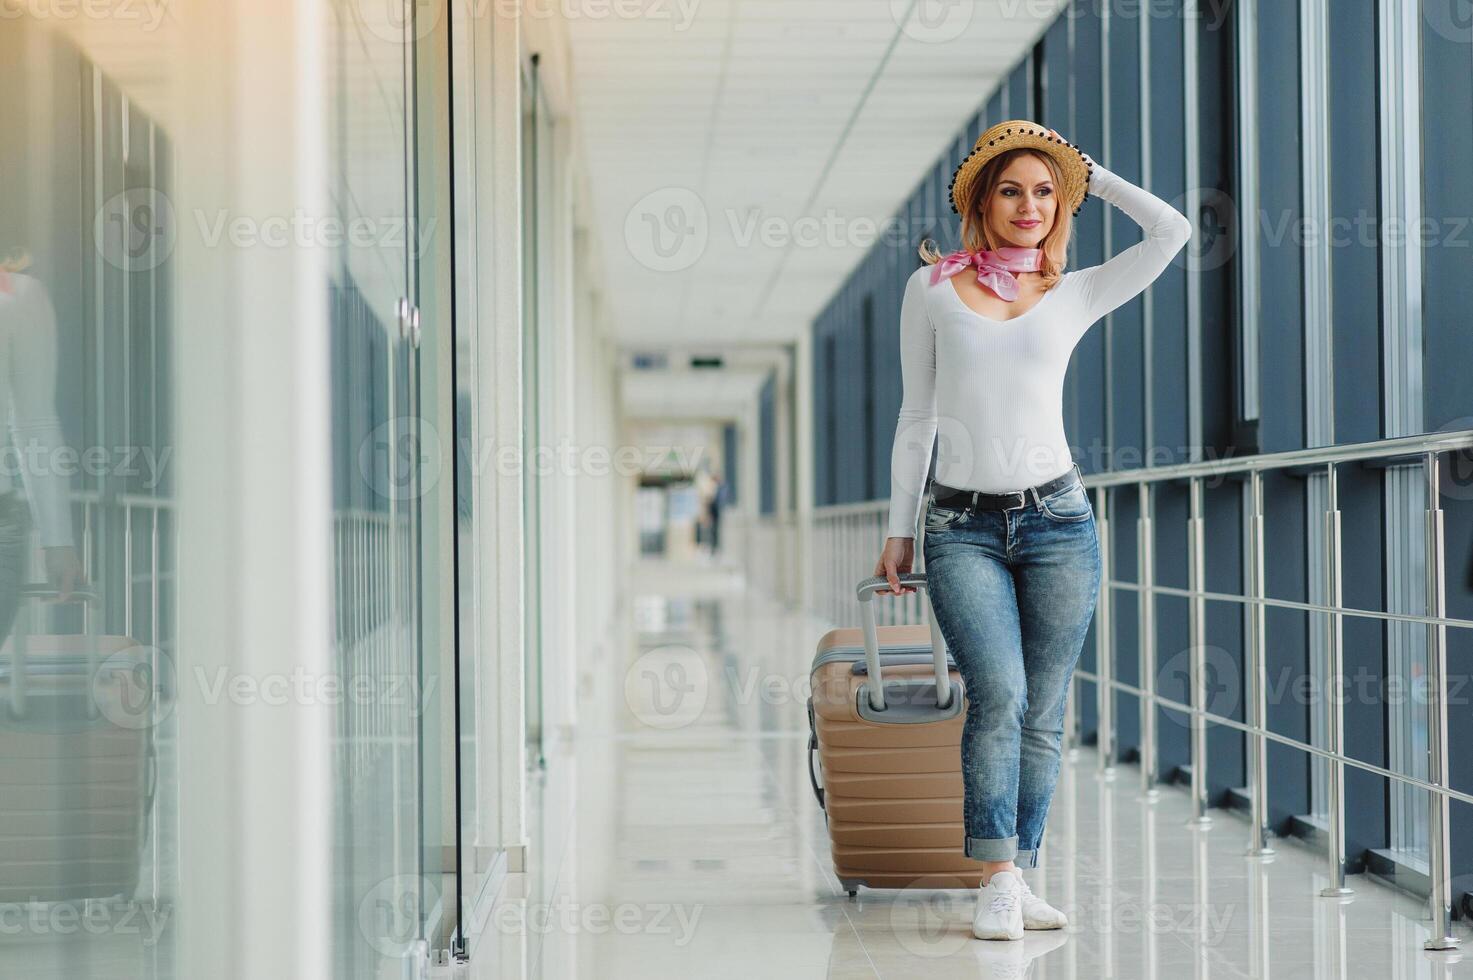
x: 440, y: 434
x: 682, y: 839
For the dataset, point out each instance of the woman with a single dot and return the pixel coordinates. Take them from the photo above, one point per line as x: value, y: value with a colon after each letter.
x: 36, y: 462
x: 1012, y: 554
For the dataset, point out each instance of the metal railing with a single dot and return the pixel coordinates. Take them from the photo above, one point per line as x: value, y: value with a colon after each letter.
x: 767, y: 548
x: 848, y: 538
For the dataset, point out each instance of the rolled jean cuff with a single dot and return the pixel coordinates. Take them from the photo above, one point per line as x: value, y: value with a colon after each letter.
x: 1000, y: 849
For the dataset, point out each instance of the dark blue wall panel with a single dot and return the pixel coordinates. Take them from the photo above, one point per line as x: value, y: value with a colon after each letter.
x: 1127, y: 437
x: 1447, y: 253
x: 1281, y: 275
x: 767, y: 447
x: 730, y: 455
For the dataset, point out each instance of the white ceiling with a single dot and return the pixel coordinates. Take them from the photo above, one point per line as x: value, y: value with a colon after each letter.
x: 712, y: 111
x: 723, y: 393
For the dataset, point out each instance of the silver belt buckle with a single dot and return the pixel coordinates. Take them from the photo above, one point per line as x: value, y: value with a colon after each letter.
x: 1022, y: 496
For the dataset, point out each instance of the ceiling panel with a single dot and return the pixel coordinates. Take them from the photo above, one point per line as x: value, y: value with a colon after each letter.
x: 724, y: 119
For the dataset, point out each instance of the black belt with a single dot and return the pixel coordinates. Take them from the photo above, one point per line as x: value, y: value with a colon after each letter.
x: 944, y: 496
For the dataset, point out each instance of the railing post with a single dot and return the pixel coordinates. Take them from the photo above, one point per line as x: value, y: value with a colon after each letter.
x: 1334, y: 667
x: 1104, y: 687
x: 1438, y: 857
x: 1197, y: 637
x: 1257, y: 671
x: 1145, y: 550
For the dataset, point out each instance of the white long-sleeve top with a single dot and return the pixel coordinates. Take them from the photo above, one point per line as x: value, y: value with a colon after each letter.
x: 993, y: 390
x: 28, y: 366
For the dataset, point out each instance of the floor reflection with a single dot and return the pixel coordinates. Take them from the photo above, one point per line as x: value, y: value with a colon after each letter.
x: 687, y: 843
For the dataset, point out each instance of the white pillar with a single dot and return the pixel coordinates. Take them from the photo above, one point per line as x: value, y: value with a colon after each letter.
x: 803, y: 509
x: 500, y: 594
x: 256, y: 779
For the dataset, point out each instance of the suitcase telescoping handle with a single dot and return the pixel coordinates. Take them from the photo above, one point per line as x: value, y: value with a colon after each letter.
x: 42, y: 590
x: 876, y: 686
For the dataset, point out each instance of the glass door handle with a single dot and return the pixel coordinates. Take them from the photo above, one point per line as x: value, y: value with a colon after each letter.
x: 414, y: 331
x: 401, y: 314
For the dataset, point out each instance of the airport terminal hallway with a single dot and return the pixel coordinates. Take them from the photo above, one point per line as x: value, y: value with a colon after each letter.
x: 680, y: 837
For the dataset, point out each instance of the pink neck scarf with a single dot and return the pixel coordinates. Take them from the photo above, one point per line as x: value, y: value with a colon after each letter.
x: 995, y: 268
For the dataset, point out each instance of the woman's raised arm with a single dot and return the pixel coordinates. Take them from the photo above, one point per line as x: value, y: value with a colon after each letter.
x: 1107, y: 286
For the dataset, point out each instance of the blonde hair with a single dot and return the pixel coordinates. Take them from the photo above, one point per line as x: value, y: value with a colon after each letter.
x: 975, y: 234
x: 18, y: 260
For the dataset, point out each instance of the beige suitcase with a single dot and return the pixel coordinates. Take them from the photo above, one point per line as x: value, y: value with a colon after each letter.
x: 77, y: 764
x: 885, y: 752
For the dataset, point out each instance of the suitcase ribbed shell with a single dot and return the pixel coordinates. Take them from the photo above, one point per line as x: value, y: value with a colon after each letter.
x: 893, y: 792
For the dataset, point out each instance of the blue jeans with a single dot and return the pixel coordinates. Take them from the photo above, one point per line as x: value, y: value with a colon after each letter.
x: 1013, y: 592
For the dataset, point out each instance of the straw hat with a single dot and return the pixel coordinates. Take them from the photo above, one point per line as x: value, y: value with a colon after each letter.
x: 1074, y: 166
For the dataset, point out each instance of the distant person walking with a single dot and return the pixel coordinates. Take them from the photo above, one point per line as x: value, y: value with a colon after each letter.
x: 713, y: 507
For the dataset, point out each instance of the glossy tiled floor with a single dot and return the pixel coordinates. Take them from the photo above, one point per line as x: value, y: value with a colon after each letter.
x: 678, y: 837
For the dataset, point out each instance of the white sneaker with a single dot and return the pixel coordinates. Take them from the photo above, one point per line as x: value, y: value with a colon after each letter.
x: 999, y: 912
x: 1038, y: 914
